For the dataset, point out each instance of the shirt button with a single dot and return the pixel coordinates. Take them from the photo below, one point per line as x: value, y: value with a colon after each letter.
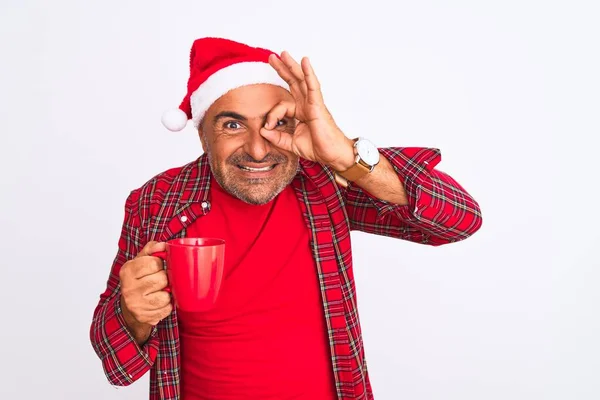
x: 204, y: 204
x: 184, y: 219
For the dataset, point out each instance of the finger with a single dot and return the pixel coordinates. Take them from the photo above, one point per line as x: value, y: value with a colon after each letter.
x: 314, y: 96
x: 280, y: 111
x: 159, y: 315
x: 155, y: 282
x: 286, y: 74
x: 151, y: 248
x: 280, y: 139
x: 158, y: 300
x: 166, y: 310
x: 147, y: 266
x: 294, y: 67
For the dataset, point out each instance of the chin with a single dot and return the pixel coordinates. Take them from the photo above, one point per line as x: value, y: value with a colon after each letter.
x: 255, y: 191
x: 256, y: 201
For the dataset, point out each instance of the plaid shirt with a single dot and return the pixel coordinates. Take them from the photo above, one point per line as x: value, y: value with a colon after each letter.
x: 440, y: 212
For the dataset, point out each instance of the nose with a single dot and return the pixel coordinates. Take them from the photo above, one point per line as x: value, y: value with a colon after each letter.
x: 257, y: 146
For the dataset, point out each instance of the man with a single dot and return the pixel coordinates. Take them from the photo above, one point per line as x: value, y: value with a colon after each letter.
x: 284, y: 186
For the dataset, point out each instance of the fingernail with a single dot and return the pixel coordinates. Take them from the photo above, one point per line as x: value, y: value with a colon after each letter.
x: 266, y: 125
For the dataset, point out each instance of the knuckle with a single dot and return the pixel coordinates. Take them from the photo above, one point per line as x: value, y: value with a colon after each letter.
x: 159, y: 300
x: 135, y: 265
x: 166, y: 299
x: 160, y: 315
x: 167, y: 311
x: 126, y: 288
x: 156, y: 281
x: 126, y: 298
x: 124, y: 270
x: 163, y: 279
x: 163, y: 303
x: 146, y: 249
x: 150, y: 283
x: 154, y: 301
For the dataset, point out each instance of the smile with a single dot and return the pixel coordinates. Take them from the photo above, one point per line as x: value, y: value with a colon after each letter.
x: 252, y: 169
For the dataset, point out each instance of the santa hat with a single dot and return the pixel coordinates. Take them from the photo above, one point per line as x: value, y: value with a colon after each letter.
x: 217, y: 66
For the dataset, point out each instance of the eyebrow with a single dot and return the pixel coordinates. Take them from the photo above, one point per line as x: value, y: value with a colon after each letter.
x: 234, y: 115
x: 229, y: 114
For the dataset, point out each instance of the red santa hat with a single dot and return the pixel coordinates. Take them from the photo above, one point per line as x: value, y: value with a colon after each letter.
x: 217, y: 66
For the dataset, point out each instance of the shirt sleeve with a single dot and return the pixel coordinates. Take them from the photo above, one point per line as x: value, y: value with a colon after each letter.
x: 439, y: 210
x: 123, y: 360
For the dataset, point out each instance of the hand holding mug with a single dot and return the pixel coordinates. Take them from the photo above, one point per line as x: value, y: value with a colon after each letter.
x: 144, y: 300
x: 194, y: 273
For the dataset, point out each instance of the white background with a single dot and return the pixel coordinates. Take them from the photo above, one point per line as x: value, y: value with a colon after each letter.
x: 508, y: 90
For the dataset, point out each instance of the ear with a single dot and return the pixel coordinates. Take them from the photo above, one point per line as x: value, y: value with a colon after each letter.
x: 202, y: 136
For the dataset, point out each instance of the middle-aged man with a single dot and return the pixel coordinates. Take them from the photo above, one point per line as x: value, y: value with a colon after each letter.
x: 283, y: 186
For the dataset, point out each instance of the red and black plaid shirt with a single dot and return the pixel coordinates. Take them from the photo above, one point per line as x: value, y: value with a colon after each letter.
x: 440, y: 212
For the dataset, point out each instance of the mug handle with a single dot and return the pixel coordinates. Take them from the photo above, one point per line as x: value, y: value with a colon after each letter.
x: 160, y: 254
x: 163, y: 256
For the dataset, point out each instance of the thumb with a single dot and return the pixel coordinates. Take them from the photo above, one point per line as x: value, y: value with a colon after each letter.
x: 151, y: 248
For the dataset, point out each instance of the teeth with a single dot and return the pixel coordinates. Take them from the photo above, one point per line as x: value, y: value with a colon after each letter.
x: 263, y: 169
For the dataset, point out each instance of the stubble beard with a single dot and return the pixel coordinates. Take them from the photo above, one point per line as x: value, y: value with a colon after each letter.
x: 256, y: 191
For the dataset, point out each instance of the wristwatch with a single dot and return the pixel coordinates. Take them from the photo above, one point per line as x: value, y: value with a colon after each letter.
x: 367, y: 157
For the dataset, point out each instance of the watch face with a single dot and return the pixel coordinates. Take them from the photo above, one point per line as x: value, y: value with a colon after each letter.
x: 367, y: 151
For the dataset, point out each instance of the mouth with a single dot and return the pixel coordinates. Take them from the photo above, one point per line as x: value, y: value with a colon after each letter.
x: 256, y: 169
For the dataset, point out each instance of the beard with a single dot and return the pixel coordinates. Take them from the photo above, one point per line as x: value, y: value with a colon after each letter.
x: 255, y: 191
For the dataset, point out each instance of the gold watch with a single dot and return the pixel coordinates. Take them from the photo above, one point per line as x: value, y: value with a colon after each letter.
x: 366, y: 158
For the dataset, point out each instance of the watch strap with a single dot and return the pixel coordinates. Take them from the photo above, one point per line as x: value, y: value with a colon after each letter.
x: 355, y: 172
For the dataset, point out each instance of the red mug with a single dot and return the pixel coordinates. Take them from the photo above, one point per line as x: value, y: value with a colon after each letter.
x: 195, y: 270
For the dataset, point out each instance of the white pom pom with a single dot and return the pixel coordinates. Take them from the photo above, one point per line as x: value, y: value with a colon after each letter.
x: 174, y: 119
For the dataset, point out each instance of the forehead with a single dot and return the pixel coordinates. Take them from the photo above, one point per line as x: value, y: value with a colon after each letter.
x: 251, y: 101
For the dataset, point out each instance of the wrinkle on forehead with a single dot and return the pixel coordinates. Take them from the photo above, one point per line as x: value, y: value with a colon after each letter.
x: 252, y: 101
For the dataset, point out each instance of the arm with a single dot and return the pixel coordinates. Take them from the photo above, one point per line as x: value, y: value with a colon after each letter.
x: 407, y: 198
x: 384, y: 184
x: 123, y: 359
x: 417, y: 204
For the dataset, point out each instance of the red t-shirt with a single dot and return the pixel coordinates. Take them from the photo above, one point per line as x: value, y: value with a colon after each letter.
x: 266, y: 337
